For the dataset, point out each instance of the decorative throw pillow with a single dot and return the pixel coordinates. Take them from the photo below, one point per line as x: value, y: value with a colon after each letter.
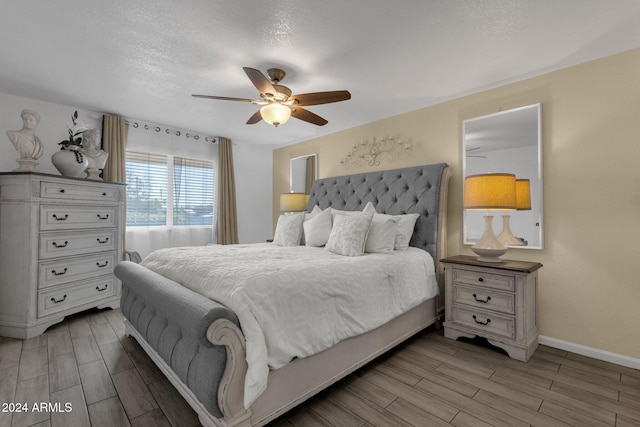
x: 404, y: 231
x: 382, y: 234
x: 349, y: 234
x: 315, y: 211
x: 289, y: 230
x: 317, y: 228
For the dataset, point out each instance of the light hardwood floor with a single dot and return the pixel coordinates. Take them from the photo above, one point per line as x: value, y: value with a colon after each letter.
x: 106, y: 379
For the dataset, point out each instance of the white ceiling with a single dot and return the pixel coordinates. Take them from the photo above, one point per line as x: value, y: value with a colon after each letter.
x: 143, y: 59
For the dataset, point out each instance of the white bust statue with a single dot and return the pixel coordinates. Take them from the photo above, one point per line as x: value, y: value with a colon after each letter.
x: 92, y: 151
x: 26, y: 142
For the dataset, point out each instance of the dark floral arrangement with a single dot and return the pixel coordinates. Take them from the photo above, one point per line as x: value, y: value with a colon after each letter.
x: 76, y: 127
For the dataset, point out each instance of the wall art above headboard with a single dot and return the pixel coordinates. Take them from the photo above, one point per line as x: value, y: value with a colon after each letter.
x: 373, y: 152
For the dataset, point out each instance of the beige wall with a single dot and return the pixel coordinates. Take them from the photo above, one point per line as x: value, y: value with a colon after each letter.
x: 589, y: 289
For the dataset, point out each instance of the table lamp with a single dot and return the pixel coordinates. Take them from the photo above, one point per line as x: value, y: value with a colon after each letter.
x: 490, y: 191
x: 523, y: 202
x: 293, y: 202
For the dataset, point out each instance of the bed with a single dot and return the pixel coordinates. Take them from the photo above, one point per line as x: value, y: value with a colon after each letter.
x: 199, y: 343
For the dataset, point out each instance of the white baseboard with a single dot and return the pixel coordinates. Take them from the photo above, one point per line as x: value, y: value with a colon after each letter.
x: 607, y: 356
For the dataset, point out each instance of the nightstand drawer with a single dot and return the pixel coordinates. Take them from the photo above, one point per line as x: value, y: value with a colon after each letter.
x: 485, y: 321
x: 484, y: 298
x: 60, y: 298
x: 481, y: 278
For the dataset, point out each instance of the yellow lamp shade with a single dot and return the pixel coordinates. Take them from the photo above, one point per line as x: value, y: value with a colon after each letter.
x: 523, y: 194
x: 490, y: 191
x: 275, y: 113
x: 293, y: 202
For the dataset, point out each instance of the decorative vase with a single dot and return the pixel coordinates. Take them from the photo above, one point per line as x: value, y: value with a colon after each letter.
x: 70, y: 161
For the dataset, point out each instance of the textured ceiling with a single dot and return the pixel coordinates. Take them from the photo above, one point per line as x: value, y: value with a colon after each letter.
x: 144, y: 58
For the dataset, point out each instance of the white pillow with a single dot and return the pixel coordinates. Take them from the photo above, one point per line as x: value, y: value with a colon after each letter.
x: 349, y: 234
x: 315, y: 211
x: 317, y: 228
x: 289, y: 230
x: 382, y: 234
x: 404, y: 230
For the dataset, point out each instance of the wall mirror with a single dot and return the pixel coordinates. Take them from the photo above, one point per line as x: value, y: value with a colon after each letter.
x: 506, y: 142
x: 302, y: 173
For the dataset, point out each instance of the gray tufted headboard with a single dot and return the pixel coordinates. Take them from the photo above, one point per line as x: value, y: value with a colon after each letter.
x: 418, y: 189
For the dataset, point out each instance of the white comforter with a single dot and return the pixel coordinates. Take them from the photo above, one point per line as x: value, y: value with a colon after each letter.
x: 298, y: 301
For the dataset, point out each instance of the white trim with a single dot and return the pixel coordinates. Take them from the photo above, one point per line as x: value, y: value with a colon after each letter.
x: 607, y: 356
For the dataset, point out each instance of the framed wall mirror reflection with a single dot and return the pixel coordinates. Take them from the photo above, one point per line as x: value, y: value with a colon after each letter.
x: 507, y: 142
x: 302, y: 173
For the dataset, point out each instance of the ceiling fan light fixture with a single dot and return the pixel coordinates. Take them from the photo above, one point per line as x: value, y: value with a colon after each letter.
x: 275, y: 113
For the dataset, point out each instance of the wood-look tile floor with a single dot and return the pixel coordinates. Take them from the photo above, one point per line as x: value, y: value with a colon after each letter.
x: 88, y: 373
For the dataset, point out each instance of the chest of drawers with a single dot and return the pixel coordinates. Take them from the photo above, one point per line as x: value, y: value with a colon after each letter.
x: 60, y: 239
x: 495, y: 301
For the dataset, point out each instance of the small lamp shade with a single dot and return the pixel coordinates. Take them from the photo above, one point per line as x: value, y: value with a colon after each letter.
x: 275, y: 113
x: 523, y: 195
x: 490, y: 191
x: 293, y: 202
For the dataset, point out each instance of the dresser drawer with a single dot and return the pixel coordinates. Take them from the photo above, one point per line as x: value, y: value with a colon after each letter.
x: 54, y: 245
x: 485, y: 321
x: 79, y: 191
x: 60, y: 298
x: 71, y: 269
x: 484, y: 298
x: 490, y: 280
x: 65, y: 217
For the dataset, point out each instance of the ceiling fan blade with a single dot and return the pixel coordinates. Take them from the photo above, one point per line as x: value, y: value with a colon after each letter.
x: 224, y: 98
x: 255, y: 118
x: 317, y: 98
x: 260, y: 81
x: 307, y: 116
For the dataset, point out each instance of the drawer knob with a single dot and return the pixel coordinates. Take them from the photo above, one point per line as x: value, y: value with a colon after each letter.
x: 64, y: 245
x: 102, y: 242
x: 102, y: 265
x: 484, y: 301
x: 62, y: 218
x: 480, y: 322
x: 106, y: 216
x: 59, y: 273
x: 56, y: 301
x: 62, y: 190
x: 104, y: 194
x: 480, y: 279
x: 99, y: 289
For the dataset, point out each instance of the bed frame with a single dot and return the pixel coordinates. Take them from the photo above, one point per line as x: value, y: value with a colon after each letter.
x: 198, y: 344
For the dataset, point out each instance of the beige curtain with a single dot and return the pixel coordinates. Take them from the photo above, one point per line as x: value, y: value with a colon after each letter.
x: 311, y: 174
x: 114, y: 142
x: 227, y: 215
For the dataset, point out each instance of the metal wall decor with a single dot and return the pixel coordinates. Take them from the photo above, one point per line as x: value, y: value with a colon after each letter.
x: 168, y: 131
x: 372, y: 152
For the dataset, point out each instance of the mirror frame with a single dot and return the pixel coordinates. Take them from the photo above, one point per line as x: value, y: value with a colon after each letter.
x: 292, y: 171
x: 536, y: 182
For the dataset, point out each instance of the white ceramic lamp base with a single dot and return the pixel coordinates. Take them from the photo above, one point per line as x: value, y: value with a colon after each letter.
x: 488, y: 247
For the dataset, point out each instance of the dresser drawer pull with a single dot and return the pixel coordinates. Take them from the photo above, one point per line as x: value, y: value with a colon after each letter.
x: 55, y: 273
x: 102, y: 265
x: 484, y: 301
x: 104, y: 194
x: 480, y: 279
x: 480, y: 322
x: 102, y: 242
x: 64, y: 245
x: 62, y: 190
x: 56, y: 301
x: 102, y: 289
x: 103, y: 217
x: 64, y: 218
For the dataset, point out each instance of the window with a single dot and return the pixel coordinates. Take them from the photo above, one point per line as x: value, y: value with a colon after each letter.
x: 164, y: 190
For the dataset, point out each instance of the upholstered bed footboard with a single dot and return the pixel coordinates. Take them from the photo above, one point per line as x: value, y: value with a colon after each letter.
x: 174, y: 321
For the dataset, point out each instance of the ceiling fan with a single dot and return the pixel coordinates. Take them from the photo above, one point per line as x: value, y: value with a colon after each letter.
x: 278, y: 105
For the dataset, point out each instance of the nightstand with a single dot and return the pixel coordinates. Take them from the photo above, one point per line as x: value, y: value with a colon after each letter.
x: 497, y: 301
